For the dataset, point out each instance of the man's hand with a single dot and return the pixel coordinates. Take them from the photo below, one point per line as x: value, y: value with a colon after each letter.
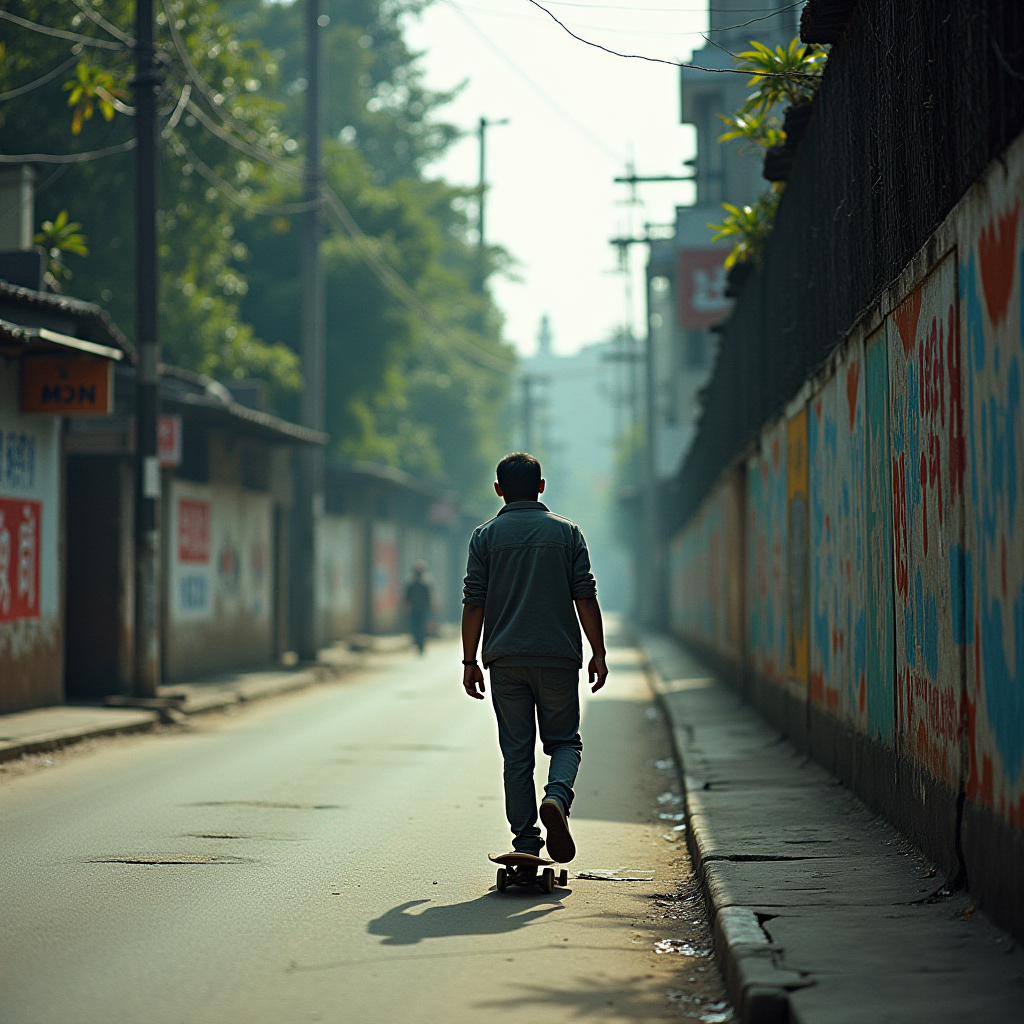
x: 597, y: 672
x: 473, y: 681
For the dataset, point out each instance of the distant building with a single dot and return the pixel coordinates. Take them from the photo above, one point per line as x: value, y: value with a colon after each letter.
x: 567, y: 416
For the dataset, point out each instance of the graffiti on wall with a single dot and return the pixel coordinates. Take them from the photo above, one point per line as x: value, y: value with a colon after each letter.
x: 385, y: 577
x: 220, y: 569
x: 835, y: 459
x: 991, y: 566
x: 884, y: 521
x: 927, y: 460
x: 766, y: 556
x: 338, y: 574
x: 698, y: 577
x: 878, y: 541
x: 797, y: 603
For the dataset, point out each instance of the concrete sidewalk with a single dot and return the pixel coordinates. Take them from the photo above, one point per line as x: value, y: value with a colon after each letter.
x: 29, y: 732
x: 822, y: 912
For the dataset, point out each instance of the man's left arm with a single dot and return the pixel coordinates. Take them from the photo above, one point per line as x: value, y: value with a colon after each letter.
x: 472, y: 626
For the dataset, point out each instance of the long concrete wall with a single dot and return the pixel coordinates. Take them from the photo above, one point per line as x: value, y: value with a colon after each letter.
x: 861, y: 571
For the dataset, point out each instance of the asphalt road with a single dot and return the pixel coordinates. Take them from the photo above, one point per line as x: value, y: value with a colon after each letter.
x: 322, y: 857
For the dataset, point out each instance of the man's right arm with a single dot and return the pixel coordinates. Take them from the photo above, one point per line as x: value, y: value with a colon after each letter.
x: 589, y: 612
x: 474, y: 594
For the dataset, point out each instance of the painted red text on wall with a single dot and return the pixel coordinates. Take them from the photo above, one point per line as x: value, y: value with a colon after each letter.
x: 19, y: 559
x: 193, y: 530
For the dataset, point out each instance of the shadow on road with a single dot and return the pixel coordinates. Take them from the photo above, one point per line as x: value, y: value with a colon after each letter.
x: 485, y: 915
x: 631, y: 999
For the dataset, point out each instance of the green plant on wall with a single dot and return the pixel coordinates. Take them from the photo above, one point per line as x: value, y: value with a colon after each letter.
x: 787, y: 74
x: 755, y: 126
x: 748, y: 227
x: 58, y: 237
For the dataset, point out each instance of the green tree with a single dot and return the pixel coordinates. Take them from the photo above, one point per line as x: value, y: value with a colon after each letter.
x: 405, y: 386
x: 200, y: 258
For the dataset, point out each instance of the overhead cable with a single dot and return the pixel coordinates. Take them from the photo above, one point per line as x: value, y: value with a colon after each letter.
x: 103, y: 44
x: 98, y: 19
x: 655, y: 60
x: 397, y: 285
x: 185, y: 152
x: 48, y: 77
x: 200, y: 83
x: 67, y: 158
x: 593, y: 139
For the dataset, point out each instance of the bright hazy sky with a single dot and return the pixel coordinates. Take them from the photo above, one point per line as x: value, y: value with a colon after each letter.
x: 552, y: 201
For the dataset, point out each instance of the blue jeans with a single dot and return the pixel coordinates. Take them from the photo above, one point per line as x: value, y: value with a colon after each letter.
x: 524, y: 698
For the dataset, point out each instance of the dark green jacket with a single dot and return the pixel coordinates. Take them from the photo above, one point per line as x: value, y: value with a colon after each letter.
x: 526, y: 567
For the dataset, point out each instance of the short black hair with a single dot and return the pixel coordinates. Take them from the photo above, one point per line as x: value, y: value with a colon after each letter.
x: 519, y: 477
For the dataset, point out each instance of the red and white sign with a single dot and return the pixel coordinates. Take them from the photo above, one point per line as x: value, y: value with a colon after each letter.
x: 193, y: 531
x: 19, y: 558
x: 168, y: 441
x: 702, y: 300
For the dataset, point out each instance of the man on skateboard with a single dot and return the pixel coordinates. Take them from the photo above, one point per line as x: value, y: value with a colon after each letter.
x: 528, y: 589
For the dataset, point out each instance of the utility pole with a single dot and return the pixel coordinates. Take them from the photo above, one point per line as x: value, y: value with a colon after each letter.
x: 481, y: 245
x: 649, y: 561
x: 652, y: 593
x: 147, y: 396
x: 311, y: 460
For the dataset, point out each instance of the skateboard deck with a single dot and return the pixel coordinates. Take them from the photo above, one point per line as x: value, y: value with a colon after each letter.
x: 515, y: 860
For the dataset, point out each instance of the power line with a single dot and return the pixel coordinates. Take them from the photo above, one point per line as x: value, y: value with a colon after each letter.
x: 596, y: 28
x: 104, y: 44
x: 383, y: 270
x: 48, y: 77
x: 185, y: 152
x: 652, y: 60
x: 686, y: 10
x: 200, y: 82
x: 671, y: 10
x: 68, y: 158
x: 391, y: 279
x: 98, y: 19
x: 255, y: 152
x: 593, y: 139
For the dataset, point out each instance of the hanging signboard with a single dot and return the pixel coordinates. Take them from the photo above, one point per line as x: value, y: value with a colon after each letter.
x: 701, y: 285
x: 67, y: 385
x: 168, y: 441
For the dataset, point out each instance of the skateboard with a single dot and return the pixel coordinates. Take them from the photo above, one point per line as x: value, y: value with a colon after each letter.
x: 512, y: 871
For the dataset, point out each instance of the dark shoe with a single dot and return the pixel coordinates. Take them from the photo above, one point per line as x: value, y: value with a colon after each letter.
x: 559, y: 841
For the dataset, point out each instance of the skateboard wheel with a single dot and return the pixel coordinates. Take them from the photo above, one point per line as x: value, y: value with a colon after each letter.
x: 563, y: 878
x: 547, y: 880
x: 502, y: 880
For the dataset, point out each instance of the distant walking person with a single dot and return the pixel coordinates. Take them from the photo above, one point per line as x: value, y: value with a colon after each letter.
x: 417, y: 602
x: 528, y: 579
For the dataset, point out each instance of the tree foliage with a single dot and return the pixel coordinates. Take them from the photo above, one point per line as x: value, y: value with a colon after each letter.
x: 400, y: 386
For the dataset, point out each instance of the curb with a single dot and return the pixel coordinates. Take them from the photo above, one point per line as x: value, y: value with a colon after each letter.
x: 746, y: 955
x: 132, y: 721
x: 143, y: 719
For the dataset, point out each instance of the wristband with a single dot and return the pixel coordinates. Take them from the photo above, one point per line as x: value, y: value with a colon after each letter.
x: 464, y: 662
